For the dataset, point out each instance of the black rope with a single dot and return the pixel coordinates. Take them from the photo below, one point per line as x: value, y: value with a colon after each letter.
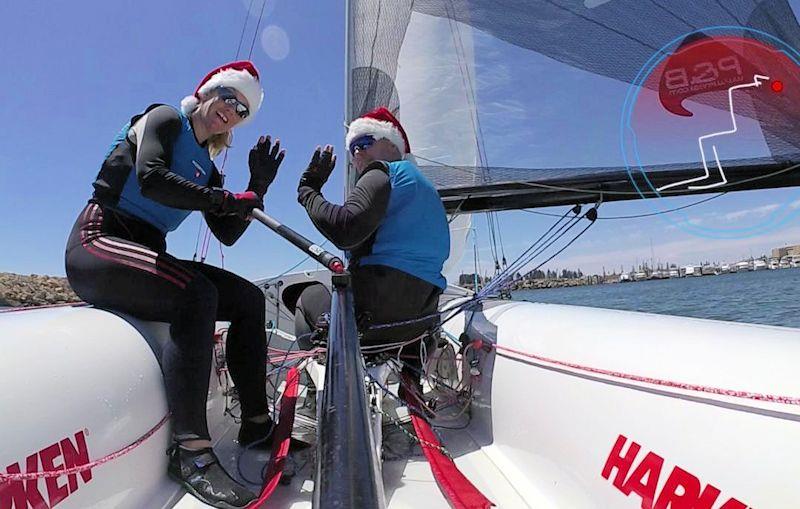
x: 492, y: 240
x: 502, y: 247
x: 591, y: 214
x: 635, y: 216
x: 492, y: 222
x: 565, y: 247
x: 244, y: 26
x: 529, y: 256
x: 732, y: 15
x: 669, y: 12
x: 255, y: 34
x: 303, y: 260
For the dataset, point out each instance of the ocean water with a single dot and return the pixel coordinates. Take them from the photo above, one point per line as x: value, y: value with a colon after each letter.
x: 770, y: 297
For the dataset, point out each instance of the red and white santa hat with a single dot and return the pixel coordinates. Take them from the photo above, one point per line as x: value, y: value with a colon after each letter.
x: 380, y: 124
x: 241, y: 76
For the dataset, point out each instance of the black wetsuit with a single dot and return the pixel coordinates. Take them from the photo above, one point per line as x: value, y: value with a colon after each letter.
x: 118, y: 261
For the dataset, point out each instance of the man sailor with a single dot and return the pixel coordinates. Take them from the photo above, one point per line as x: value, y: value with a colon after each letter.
x: 394, y: 226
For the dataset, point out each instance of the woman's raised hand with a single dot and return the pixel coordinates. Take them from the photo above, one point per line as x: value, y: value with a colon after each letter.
x: 264, y: 161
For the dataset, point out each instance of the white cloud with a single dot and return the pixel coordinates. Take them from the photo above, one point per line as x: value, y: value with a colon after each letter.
x: 693, y: 221
x: 753, y: 212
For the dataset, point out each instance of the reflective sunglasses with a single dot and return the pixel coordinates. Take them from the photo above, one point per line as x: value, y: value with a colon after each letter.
x: 361, y: 143
x: 229, y: 96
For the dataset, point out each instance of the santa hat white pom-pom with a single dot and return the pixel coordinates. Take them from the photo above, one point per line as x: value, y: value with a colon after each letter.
x: 189, y: 104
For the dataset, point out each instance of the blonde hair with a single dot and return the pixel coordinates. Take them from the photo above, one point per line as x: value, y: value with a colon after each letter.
x: 216, y: 142
x: 219, y: 142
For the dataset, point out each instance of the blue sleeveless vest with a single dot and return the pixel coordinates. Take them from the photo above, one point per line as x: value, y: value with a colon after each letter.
x: 189, y: 160
x: 414, y: 236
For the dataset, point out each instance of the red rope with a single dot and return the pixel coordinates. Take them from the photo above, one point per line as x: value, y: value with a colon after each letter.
x: 87, y: 466
x: 283, y: 437
x: 204, y: 245
x: 787, y: 400
x: 457, y: 489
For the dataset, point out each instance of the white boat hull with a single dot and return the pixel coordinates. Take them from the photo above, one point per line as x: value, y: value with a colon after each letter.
x: 87, y: 377
x: 544, y: 426
x: 554, y: 424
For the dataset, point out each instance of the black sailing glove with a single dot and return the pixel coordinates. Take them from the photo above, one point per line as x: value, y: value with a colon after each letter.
x: 319, y: 169
x: 239, y: 204
x: 264, y: 165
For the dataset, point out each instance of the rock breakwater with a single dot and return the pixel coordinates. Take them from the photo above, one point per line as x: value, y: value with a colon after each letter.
x: 34, y: 290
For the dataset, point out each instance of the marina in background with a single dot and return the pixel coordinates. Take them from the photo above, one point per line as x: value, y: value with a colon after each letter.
x: 787, y: 257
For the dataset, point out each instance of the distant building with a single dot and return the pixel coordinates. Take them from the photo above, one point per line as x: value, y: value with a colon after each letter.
x: 786, y: 251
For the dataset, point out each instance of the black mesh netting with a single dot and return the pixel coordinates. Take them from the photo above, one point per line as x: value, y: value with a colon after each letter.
x: 546, y: 82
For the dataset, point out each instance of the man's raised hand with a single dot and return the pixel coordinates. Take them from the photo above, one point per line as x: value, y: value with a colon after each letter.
x: 319, y: 169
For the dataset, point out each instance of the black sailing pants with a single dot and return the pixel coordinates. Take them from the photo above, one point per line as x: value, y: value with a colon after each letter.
x: 382, y: 295
x: 119, y: 263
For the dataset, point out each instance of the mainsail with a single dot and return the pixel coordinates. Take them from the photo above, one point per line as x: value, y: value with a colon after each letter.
x: 436, y: 89
x: 560, y: 102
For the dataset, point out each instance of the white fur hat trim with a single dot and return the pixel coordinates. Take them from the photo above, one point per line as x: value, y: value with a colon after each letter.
x: 377, y: 129
x: 242, y: 81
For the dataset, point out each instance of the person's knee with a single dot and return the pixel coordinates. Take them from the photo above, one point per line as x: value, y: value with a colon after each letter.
x: 313, y: 302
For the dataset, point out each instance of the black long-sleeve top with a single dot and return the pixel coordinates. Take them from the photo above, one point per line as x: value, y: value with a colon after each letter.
x: 149, y: 152
x: 353, y: 223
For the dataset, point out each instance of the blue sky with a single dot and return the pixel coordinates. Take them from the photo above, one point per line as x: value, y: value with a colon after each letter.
x: 80, y: 70
x: 75, y: 72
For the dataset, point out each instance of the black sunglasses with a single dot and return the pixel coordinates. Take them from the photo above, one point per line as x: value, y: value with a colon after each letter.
x: 229, y: 96
x: 361, y: 143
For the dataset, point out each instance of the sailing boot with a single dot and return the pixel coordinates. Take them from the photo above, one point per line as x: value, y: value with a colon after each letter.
x: 201, y: 474
x: 256, y: 435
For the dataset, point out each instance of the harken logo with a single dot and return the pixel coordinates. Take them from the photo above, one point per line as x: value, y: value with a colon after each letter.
x: 642, y: 476
x: 45, y: 493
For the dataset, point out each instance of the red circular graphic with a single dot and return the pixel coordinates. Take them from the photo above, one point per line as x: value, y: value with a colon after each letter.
x: 714, y: 111
x: 704, y: 66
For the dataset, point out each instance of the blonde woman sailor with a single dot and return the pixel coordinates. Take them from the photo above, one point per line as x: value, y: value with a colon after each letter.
x: 158, y: 170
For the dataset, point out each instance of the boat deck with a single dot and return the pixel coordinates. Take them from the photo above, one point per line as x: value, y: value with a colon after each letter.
x: 408, y: 481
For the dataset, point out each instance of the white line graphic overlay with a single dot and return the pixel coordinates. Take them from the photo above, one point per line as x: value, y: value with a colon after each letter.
x: 757, y: 81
